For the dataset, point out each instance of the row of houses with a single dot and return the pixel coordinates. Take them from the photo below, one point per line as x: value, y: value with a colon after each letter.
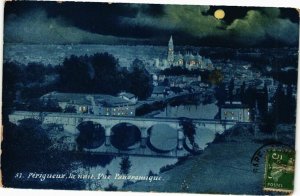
x: 99, y: 104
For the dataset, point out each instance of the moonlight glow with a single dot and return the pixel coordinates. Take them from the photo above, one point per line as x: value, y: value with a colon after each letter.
x: 219, y: 14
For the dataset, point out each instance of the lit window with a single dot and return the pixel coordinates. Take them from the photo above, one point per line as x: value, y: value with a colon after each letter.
x: 82, y: 108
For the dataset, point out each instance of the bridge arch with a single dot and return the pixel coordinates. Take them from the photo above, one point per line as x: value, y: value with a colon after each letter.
x: 91, y: 135
x: 125, y: 136
x: 162, y: 137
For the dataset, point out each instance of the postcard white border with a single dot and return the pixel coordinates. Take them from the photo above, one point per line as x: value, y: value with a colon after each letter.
x: 256, y: 3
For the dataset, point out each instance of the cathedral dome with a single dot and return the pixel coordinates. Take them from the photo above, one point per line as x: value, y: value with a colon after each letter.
x: 198, y: 57
x: 179, y: 56
x: 191, y: 57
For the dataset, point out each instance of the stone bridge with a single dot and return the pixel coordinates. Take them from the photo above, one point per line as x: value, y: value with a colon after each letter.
x: 70, y: 122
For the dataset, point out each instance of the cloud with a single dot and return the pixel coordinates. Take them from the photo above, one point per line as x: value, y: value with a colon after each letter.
x: 189, y: 18
x: 257, y: 26
x: 36, y: 28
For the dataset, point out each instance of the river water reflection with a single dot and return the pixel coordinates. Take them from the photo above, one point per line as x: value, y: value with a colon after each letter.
x: 143, y: 165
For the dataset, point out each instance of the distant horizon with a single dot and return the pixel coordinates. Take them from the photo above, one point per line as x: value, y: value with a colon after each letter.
x: 156, y: 45
x: 149, y: 24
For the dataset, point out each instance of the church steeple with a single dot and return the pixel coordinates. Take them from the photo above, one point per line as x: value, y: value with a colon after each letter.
x: 171, y: 42
x: 171, y: 51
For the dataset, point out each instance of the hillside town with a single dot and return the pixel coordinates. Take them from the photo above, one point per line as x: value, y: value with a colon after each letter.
x: 189, y: 79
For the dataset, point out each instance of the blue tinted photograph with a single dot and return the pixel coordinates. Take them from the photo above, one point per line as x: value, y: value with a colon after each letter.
x: 149, y: 97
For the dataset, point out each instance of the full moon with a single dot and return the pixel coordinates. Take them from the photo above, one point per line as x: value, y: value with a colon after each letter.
x: 219, y: 14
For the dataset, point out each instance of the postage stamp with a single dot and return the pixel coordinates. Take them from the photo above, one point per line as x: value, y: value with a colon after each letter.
x: 279, y: 170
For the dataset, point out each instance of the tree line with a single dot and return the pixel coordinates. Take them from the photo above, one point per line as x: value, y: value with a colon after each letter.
x: 283, y: 103
x: 98, y: 73
x: 101, y: 73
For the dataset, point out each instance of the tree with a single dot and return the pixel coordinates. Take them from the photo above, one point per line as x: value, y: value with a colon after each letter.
x: 35, y: 72
x: 140, y: 81
x: 262, y: 102
x: 151, y: 173
x: 242, y: 92
x: 290, y: 103
x: 51, y: 106
x: 106, y: 78
x: 125, y: 165
x: 166, y: 82
x: 48, y: 105
x: 279, y: 104
x: 75, y: 75
x: 27, y: 146
x: 111, y: 187
x: 220, y: 94
x: 215, y: 77
x: 11, y: 76
x: 108, y: 173
x: 230, y: 90
x: 70, y: 109
x: 101, y: 73
x: 268, y: 123
x: 250, y: 96
x: 266, y: 99
x: 137, y: 63
x: 189, y: 129
x: 22, y: 145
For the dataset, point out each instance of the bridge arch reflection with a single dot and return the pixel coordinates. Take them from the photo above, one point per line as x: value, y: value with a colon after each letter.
x: 108, y: 126
x: 125, y: 136
x: 91, y: 135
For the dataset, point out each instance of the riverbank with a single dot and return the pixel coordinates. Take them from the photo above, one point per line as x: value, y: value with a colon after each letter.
x: 224, y: 167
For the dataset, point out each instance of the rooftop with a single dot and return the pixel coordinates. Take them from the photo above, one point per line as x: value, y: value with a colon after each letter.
x: 86, y: 99
x: 234, y: 105
x: 128, y: 95
x: 159, y: 89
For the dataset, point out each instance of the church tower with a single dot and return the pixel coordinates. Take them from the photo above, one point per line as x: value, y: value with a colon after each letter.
x: 171, y: 51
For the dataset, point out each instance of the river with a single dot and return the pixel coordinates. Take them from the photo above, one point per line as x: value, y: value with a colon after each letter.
x: 141, y: 166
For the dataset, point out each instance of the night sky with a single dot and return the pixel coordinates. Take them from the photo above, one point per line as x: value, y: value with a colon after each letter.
x: 74, y: 22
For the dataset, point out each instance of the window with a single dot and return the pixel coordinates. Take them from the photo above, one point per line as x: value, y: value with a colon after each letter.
x: 82, y: 109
